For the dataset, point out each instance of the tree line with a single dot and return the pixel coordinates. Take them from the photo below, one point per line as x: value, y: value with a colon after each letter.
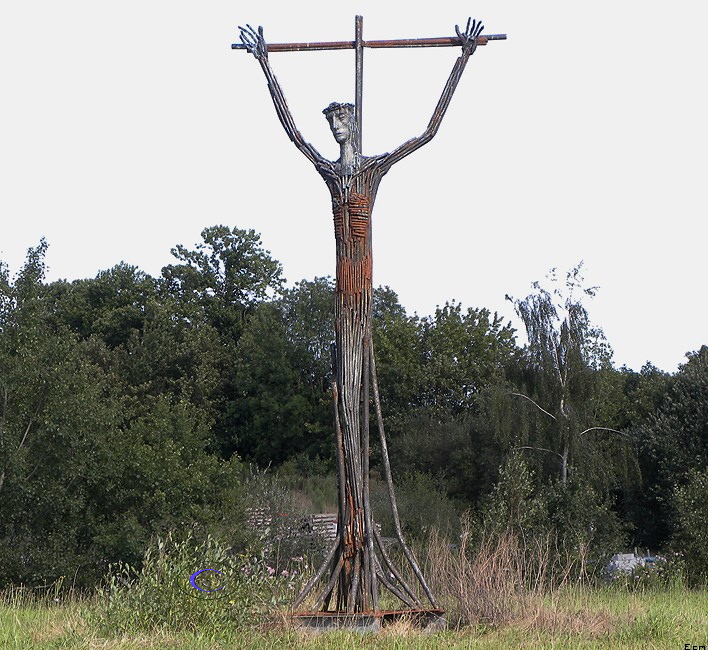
x: 133, y: 405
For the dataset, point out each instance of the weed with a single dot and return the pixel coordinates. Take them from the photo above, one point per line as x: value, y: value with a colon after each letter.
x: 186, y: 585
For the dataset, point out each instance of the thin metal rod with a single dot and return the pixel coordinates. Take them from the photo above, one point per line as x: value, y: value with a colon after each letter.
x: 394, y: 572
x: 389, y: 481
x: 393, y: 589
x: 311, y: 583
x: 369, y: 526
x: 339, y: 441
x: 352, y: 602
x: 442, y: 41
x: 330, y: 585
x: 359, y: 76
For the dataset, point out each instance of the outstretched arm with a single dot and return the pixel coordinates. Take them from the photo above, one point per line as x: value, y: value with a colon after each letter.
x: 256, y: 45
x: 469, y: 45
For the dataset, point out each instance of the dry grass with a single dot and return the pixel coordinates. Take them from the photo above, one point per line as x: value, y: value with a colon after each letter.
x: 481, y: 587
x: 505, y: 580
x: 559, y: 621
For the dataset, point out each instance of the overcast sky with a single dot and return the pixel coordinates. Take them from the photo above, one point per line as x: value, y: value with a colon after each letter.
x: 128, y: 127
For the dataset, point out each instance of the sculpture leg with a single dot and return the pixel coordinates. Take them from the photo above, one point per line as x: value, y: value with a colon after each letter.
x: 356, y: 569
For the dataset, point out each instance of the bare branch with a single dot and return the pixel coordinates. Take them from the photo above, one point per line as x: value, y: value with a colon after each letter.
x: 622, y: 433
x: 31, y: 474
x: 32, y: 421
x: 550, y: 451
x: 536, y: 405
x: 24, y: 437
x: 3, y: 418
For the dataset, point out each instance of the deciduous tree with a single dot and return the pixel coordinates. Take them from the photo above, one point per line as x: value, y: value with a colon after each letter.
x: 563, y: 359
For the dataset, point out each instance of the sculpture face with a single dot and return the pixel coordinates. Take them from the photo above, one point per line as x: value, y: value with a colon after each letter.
x: 340, y: 121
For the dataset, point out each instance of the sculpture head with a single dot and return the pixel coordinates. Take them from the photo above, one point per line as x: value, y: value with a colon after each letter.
x: 342, y: 121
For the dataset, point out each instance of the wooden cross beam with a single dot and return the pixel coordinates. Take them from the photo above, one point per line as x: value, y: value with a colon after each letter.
x: 358, y: 44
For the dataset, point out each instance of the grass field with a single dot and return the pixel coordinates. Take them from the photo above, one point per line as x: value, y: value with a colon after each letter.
x: 570, y: 618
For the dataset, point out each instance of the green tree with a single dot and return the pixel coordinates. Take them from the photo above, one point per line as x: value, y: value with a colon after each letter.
x: 223, y: 277
x: 282, y: 369
x: 133, y: 332
x: 276, y: 415
x: 678, y: 429
x: 690, y: 526
x: 577, y: 520
x: 399, y: 359
x: 436, y: 366
x: 220, y: 284
x: 463, y: 353
x: 515, y: 505
x: 585, y: 520
x: 641, y: 394
x: 112, y: 306
x: 21, y: 330
x: 156, y: 475
x: 307, y: 311
x: 674, y: 449
x: 438, y: 375
x: 89, y: 471
x: 563, y: 364
x: 52, y: 407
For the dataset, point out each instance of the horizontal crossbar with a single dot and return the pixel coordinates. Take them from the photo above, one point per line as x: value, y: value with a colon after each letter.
x: 443, y: 41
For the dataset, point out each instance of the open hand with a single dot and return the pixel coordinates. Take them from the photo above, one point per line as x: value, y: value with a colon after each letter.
x: 469, y: 36
x: 254, y: 41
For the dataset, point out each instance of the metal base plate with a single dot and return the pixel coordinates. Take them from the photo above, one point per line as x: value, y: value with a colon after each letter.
x: 426, y: 619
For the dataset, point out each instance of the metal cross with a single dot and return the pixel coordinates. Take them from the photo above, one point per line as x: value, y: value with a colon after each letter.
x: 358, y: 44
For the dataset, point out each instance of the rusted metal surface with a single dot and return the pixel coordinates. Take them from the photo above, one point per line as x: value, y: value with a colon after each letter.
x: 441, y: 41
x: 358, y: 562
x: 369, y: 620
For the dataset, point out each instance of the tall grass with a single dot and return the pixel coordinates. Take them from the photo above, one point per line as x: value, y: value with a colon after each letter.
x: 34, y: 617
x: 502, y: 592
x: 504, y: 578
x: 509, y: 588
x: 567, y: 616
x: 43, y: 596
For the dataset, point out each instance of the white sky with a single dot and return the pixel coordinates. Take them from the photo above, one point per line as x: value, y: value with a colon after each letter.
x: 127, y: 127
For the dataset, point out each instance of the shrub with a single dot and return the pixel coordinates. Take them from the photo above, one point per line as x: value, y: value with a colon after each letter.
x: 691, y: 527
x: 422, y: 507
x: 168, y: 592
x: 515, y: 504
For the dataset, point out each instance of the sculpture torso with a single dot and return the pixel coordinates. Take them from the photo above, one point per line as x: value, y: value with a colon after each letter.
x: 353, y: 193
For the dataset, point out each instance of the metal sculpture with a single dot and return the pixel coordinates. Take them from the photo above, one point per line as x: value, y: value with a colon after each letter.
x: 358, y: 559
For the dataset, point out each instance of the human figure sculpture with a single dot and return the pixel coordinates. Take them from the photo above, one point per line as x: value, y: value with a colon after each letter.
x: 353, y: 181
